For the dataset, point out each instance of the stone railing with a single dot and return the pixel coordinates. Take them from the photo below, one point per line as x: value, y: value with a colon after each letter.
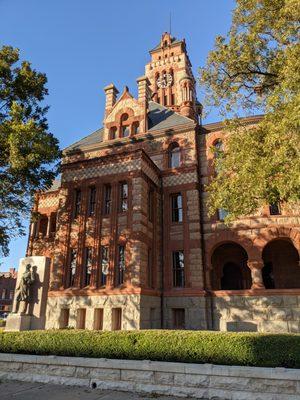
x: 204, y: 381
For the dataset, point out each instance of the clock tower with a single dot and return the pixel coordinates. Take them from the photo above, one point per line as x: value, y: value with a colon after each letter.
x: 171, y: 78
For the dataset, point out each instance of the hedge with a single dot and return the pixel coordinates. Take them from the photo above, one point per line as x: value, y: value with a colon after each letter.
x: 252, y: 349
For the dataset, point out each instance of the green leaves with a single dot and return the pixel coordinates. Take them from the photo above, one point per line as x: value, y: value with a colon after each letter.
x: 257, y: 68
x: 28, y: 152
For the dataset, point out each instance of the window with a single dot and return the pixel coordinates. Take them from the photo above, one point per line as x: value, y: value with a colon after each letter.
x: 64, y: 318
x: 172, y: 99
x: 53, y: 218
x: 43, y: 226
x: 222, y: 214
x: 72, y: 267
x: 87, y: 266
x: 150, y: 204
x: 123, y: 191
x: 176, y: 203
x: 98, y: 319
x: 274, y: 209
x: 116, y: 319
x: 107, y: 200
x: 11, y: 294
x: 120, y: 270
x: 165, y: 100
x: 218, y: 148
x: 174, y: 156
x: 3, y: 294
x: 135, y: 128
x: 77, y: 203
x: 125, y: 132
x: 92, y: 201
x: 178, y: 318
x: 80, y: 318
x: 178, y: 269
x: 150, y: 269
x: 113, y: 133
x: 104, y: 264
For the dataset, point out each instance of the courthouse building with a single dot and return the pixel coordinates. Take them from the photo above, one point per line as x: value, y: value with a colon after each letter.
x: 127, y: 229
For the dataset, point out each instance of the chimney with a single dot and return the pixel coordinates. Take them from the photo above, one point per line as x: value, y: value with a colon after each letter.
x: 144, y: 92
x: 111, y: 93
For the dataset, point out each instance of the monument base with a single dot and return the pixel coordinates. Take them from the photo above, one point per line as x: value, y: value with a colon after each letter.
x: 18, y: 322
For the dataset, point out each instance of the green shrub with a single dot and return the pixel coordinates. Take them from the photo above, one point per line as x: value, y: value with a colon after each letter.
x: 253, y: 349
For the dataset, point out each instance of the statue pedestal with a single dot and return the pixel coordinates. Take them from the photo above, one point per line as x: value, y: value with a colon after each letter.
x: 35, y: 316
x: 18, y: 322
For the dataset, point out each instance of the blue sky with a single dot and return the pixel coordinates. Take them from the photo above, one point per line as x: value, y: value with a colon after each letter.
x: 82, y: 45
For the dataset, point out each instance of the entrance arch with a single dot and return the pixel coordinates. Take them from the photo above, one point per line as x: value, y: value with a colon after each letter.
x: 229, y: 267
x: 281, y: 265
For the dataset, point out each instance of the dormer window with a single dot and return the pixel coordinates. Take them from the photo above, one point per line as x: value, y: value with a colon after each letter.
x: 135, y: 128
x: 125, y: 131
x: 113, y: 133
x: 174, y: 155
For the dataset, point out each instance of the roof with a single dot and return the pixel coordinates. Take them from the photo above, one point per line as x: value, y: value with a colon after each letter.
x: 55, y: 185
x: 216, y: 126
x: 93, y: 138
x: 159, y: 117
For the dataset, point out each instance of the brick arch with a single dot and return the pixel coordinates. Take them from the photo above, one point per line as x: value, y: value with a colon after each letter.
x: 125, y: 110
x: 281, y: 232
x: 227, y: 236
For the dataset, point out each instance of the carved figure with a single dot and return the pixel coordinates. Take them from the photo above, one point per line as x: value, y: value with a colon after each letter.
x: 23, y: 290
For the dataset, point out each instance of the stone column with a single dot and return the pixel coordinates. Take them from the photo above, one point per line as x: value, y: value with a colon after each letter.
x: 256, y: 274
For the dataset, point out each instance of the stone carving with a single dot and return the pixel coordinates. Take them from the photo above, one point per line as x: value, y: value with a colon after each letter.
x: 23, y: 291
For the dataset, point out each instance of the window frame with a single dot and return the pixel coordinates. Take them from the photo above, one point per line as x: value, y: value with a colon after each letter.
x: 107, y: 200
x: 123, y: 199
x: 87, y: 266
x: 77, y: 203
x: 178, y: 209
x: 103, y: 277
x: 72, y: 266
x: 174, y: 149
x: 120, y: 265
x: 178, y: 272
x: 135, y: 128
x: 92, y: 201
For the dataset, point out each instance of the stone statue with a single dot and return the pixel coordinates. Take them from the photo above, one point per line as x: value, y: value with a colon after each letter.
x: 23, y: 292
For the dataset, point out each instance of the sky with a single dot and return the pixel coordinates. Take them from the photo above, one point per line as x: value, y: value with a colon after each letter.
x: 83, y: 45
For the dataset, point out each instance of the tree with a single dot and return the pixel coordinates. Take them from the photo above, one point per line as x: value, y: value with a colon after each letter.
x: 256, y: 68
x: 28, y: 152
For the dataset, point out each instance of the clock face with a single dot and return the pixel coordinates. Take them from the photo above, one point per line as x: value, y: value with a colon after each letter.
x: 164, y: 81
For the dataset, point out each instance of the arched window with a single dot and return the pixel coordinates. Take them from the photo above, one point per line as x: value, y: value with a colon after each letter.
x: 218, y: 147
x: 113, y: 133
x: 135, y: 128
x: 125, y: 132
x: 174, y: 155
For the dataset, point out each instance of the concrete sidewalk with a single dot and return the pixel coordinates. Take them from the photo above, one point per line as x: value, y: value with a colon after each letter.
x: 12, y: 390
